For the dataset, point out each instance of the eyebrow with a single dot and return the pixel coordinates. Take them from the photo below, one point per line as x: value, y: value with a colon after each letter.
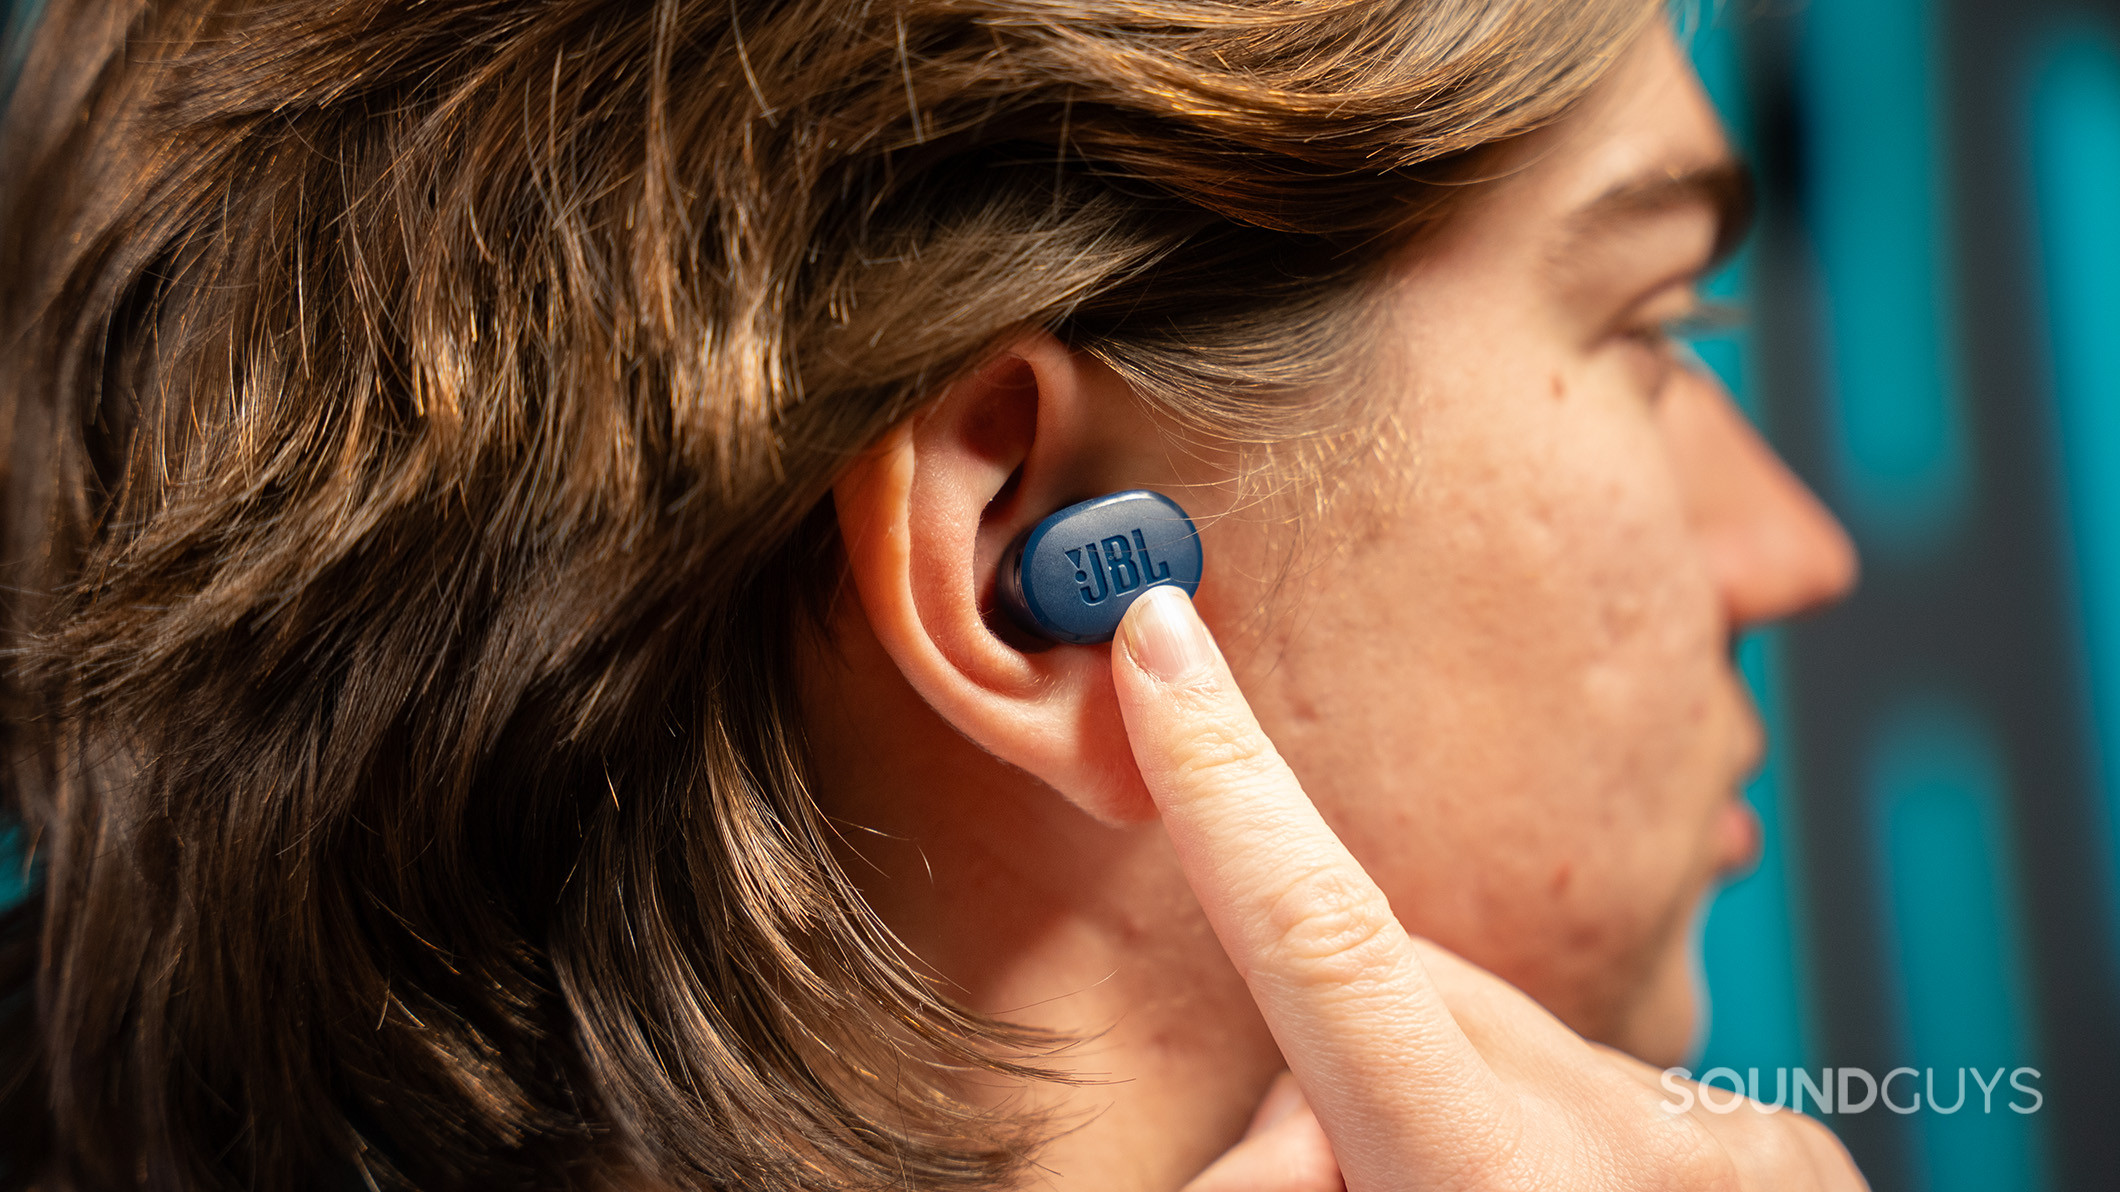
x: 1725, y: 187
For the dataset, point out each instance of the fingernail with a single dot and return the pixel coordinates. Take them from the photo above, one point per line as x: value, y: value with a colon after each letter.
x: 1164, y: 635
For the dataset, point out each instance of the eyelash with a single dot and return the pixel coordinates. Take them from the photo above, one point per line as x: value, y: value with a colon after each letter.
x: 1664, y: 337
x: 1707, y: 319
x: 1702, y: 320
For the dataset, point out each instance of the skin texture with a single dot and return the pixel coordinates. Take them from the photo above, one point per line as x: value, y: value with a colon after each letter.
x: 1498, y: 664
x: 1421, y: 1070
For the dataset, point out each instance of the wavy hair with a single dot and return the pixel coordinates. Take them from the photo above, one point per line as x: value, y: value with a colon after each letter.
x: 418, y: 420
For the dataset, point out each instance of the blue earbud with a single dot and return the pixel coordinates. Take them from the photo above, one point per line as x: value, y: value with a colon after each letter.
x: 1072, y: 576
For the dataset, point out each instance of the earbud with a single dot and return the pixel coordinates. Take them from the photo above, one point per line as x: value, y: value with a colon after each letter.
x: 1071, y: 577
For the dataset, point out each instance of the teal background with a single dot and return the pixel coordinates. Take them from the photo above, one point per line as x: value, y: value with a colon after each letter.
x: 1934, y: 344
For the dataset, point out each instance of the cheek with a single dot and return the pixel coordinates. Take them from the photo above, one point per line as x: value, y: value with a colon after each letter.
x: 1503, y: 691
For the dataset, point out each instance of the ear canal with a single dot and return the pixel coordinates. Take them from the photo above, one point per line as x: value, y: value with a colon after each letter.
x: 1071, y: 577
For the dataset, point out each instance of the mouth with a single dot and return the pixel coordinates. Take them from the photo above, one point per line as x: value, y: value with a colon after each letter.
x: 1738, y: 833
x: 1738, y: 838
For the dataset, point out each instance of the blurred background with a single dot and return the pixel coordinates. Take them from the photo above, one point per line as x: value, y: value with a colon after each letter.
x: 1933, y: 342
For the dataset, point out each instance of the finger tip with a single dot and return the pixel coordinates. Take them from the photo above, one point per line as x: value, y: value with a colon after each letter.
x: 1163, y: 636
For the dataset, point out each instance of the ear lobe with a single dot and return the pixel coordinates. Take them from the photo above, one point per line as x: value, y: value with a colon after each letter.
x: 926, y: 516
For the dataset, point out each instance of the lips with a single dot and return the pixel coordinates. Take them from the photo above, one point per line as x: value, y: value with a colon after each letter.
x: 1738, y: 838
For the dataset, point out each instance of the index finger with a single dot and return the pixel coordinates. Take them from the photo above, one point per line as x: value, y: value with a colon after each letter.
x: 1333, y: 972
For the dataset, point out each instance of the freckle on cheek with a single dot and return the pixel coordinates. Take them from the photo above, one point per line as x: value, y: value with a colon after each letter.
x: 1560, y: 388
x: 1562, y: 875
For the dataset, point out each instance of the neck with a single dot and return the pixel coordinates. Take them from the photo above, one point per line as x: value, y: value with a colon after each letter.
x: 1030, y: 910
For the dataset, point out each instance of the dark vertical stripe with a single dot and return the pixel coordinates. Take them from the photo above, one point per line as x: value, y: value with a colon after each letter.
x: 2075, y: 138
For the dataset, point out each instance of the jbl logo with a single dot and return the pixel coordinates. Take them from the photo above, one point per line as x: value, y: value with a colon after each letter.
x: 1119, y: 566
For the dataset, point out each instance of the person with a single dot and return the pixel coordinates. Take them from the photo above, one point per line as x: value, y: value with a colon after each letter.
x: 503, y: 511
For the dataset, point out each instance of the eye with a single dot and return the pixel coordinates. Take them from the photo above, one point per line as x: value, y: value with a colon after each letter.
x: 1683, y: 316
x: 1705, y: 320
x: 1662, y: 330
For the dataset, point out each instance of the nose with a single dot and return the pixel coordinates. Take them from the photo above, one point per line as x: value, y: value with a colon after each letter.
x: 1772, y: 547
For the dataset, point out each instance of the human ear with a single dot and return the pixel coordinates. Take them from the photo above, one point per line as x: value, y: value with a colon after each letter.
x: 926, y: 517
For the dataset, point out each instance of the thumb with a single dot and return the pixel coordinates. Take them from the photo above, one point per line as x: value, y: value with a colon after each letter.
x: 1284, y: 1150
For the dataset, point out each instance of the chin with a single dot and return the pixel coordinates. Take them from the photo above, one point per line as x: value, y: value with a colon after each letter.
x: 1665, y: 1023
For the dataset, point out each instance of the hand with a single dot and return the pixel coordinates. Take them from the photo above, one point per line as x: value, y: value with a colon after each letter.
x: 1284, y: 1150
x: 1423, y: 1070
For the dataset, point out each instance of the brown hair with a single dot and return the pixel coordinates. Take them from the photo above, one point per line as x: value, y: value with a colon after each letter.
x: 419, y: 417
